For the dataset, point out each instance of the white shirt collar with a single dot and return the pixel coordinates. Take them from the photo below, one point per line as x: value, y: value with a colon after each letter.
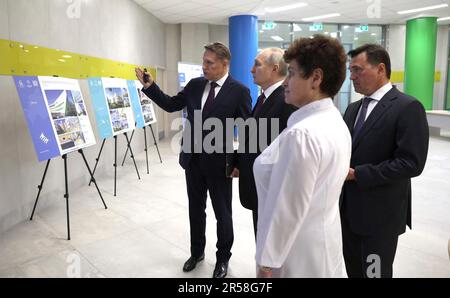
x: 309, y: 109
x: 272, y: 88
x: 222, y: 80
x: 380, y: 93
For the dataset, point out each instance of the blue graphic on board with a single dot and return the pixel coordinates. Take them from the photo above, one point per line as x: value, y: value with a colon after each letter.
x: 136, y: 104
x: 182, y: 78
x: 101, y: 108
x: 37, y: 116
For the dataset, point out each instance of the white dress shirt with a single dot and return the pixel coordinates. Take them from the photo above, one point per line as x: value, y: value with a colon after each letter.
x: 268, y: 92
x: 376, y: 97
x: 299, y: 178
x: 217, y: 90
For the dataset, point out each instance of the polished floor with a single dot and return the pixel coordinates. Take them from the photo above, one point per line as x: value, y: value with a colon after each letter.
x: 145, y: 231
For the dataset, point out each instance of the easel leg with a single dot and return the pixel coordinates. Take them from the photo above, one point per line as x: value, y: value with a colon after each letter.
x: 146, y: 148
x: 156, y: 144
x: 40, y: 188
x: 97, y: 160
x: 115, y: 165
x: 66, y: 195
x: 92, y: 176
x: 126, y: 152
x: 132, y: 155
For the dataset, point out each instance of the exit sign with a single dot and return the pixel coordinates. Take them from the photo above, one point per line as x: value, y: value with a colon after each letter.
x: 268, y: 26
x: 316, y: 27
x: 363, y: 28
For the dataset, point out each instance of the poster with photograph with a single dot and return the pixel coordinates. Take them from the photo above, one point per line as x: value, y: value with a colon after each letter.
x: 112, y: 105
x: 56, y: 115
x: 142, y: 105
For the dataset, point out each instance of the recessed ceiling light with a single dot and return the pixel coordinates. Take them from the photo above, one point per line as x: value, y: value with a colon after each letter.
x: 443, y: 19
x: 422, y: 9
x: 284, y: 8
x: 277, y: 38
x: 297, y: 28
x: 325, y: 16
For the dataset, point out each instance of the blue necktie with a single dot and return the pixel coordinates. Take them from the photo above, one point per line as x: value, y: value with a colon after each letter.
x: 362, y: 117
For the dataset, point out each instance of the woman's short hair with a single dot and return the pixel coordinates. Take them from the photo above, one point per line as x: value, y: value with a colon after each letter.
x: 322, y: 52
x: 220, y: 50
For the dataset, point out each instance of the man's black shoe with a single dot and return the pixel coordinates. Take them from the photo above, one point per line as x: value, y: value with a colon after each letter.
x: 192, y: 262
x: 221, y: 270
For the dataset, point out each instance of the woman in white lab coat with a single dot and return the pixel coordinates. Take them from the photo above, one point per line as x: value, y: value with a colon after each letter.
x: 299, y: 177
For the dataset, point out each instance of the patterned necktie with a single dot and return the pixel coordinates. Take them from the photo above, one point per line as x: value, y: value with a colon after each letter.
x: 362, y: 117
x: 259, y: 104
x: 210, y: 98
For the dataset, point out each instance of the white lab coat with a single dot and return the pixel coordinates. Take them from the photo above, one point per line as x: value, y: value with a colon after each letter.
x: 299, y: 178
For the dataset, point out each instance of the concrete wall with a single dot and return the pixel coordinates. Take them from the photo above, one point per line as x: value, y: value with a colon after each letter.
x: 173, y: 45
x: 395, y: 45
x: 195, y: 36
x: 219, y: 33
x: 113, y: 29
x: 441, y: 65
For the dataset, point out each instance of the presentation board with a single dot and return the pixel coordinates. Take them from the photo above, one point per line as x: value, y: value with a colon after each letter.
x: 144, y: 111
x: 188, y: 71
x: 56, y: 115
x: 112, y: 104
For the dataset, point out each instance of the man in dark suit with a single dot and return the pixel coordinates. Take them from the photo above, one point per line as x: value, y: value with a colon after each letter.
x: 216, y: 97
x: 269, y: 72
x: 390, y: 145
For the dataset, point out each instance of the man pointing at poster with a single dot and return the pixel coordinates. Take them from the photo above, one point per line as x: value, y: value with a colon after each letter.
x: 215, y: 96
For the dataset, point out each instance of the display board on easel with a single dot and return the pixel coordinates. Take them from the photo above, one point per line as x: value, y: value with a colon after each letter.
x: 114, y: 114
x: 144, y: 111
x: 58, y: 123
x: 56, y: 115
x: 112, y: 105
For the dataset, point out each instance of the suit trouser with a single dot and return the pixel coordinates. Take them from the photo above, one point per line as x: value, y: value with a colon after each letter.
x: 368, y: 256
x: 220, y: 191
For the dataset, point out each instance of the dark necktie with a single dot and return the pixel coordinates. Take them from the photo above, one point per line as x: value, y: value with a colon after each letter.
x: 362, y: 117
x: 210, y: 98
x: 259, y: 104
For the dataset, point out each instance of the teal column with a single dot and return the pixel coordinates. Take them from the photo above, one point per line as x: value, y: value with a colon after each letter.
x: 420, y: 58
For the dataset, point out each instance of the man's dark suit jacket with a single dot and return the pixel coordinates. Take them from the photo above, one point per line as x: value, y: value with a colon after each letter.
x: 274, y: 107
x: 233, y: 101
x: 390, y: 149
